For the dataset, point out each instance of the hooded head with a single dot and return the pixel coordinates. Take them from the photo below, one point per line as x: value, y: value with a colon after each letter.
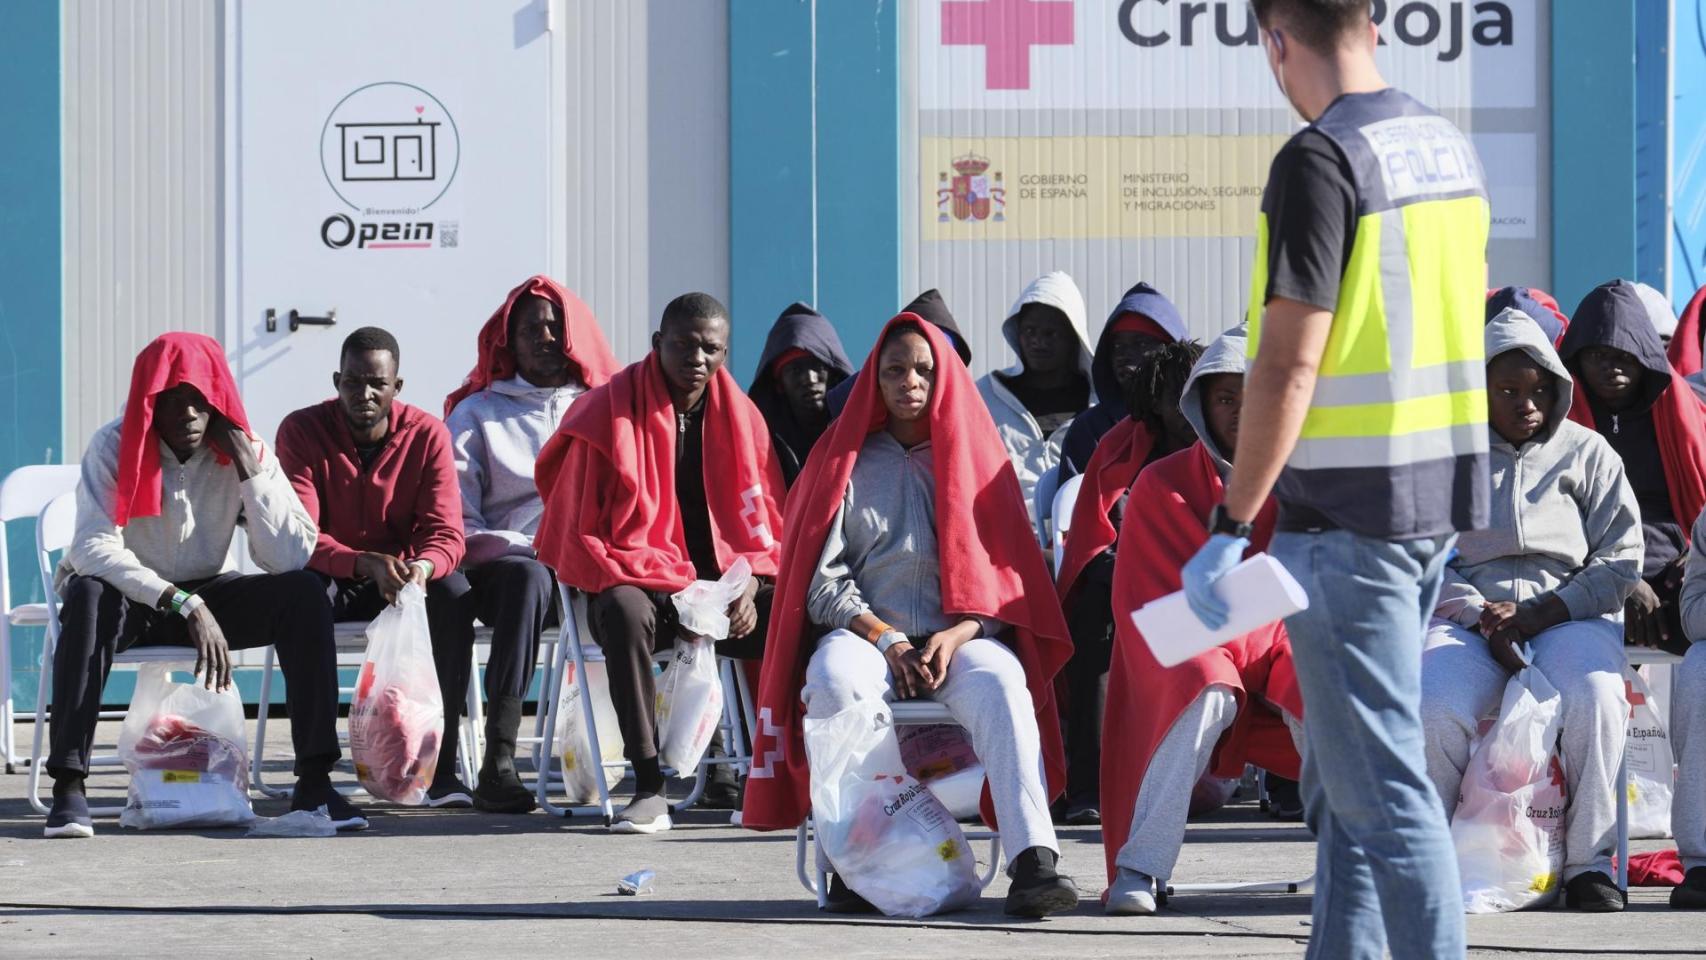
x: 930, y: 306
x: 1537, y: 304
x: 1614, y: 351
x: 543, y: 316
x: 1528, y: 387
x: 178, y: 384
x: 1142, y: 320
x: 1035, y: 331
x: 1214, y: 394
x: 802, y: 359
x: 1659, y: 310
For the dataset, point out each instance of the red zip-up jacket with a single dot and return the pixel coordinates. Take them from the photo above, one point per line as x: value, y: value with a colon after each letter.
x: 406, y: 504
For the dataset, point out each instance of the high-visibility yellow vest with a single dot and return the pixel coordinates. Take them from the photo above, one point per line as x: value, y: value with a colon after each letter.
x: 1395, y: 442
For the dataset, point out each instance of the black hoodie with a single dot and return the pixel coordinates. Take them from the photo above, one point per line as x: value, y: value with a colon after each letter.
x: 1089, y: 427
x: 1613, y: 315
x: 931, y: 307
x: 798, y: 328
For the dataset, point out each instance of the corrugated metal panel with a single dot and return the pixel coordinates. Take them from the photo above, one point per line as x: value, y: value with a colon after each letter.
x: 142, y: 174
x: 648, y: 213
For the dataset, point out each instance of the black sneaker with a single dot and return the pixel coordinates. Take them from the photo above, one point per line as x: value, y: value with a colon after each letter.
x: 1038, y: 890
x: 345, y: 816
x: 1285, y: 799
x: 1594, y: 892
x: 69, y: 818
x: 841, y: 899
x: 449, y: 792
x: 501, y: 793
x: 1082, y: 812
x: 1690, y: 894
x: 722, y: 792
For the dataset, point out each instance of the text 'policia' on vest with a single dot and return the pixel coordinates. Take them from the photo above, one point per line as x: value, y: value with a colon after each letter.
x: 1395, y: 442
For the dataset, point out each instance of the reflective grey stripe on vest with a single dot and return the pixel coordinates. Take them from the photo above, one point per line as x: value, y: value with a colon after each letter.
x: 1401, y: 450
x: 1350, y: 389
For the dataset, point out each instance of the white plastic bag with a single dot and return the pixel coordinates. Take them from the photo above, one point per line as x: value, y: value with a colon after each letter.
x: 703, y: 605
x: 183, y: 745
x: 396, y: 720
x: 689, y: 705
x: 890, y: 840
x: 1652, y: 768
x: 574, y: 747
x: 1509, y: 824
x: 940, y: 755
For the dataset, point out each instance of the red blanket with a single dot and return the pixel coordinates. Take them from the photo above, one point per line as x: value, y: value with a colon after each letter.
x: 608, y: 482
x: 1112, y: 468
x: 170, y: 360
x: 1679, y: 420
x: 1145, y: 698
x: 990, y: 566
x: 1684, y: 350
x: 583, y: 342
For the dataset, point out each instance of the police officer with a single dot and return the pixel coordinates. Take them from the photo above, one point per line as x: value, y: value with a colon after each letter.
x: 1365, y: 413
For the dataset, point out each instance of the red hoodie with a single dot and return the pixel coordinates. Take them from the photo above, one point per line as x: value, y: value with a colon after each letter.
x: 406, y: 504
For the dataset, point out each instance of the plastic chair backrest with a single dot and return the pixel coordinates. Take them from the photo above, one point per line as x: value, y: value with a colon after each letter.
x: 1064, y: 500
x: 57, y: 524
x: 27, y: 489
x: 1043, y: 501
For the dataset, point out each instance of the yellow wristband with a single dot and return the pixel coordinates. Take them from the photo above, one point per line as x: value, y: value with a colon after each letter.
x: 878, y: 631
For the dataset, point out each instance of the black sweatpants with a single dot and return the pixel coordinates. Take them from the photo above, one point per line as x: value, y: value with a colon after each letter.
x: 515, y: 596
x: 1091, y: 623
x: 451, y: 623
x: 631, y: 624
x: 287, y: 610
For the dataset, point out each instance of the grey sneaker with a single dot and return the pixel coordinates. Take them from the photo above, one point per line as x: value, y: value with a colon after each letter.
x: 1132, y: 895
x: 647, y: 813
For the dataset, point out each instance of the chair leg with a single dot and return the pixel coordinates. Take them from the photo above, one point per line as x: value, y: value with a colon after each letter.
x: 1623, y: 823
x: 550, y: 691
x: 8, y: 735
x: 472, y: 721
x: 256, y: 779
x: 40, y: 724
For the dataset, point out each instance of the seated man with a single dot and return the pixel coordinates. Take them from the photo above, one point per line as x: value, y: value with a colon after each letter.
x: 1154, y: 429
x: 1688, y: 734
x: 663, y: 476
x: 1142, y: 321
x: 910, y: 555
x: 1035, y: 400
x: 538, y: 352
x: 930, y: 306
x: 147, y: 567
x: 802, y: 362
x: 1560, y: 554
x: 1219, y: 709
x: 378, y: 478
x: 1625, y: 388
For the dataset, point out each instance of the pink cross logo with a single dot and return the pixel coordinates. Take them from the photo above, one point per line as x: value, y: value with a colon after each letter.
x: 1006, y: 29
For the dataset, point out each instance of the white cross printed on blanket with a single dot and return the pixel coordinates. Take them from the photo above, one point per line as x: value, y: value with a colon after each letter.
x: 753, y: 514
x: 764, y: 768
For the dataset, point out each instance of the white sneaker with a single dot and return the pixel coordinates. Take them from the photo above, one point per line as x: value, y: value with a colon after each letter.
x: 1133, y: 894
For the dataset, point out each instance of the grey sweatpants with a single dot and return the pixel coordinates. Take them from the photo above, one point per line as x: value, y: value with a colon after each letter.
x: 1583, y: 659
x: 1688, y: 737
x: 1164, y: 801
x: 986, y: 693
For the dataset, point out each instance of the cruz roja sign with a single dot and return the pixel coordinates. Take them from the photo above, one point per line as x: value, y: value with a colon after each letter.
x: 1449, y: 26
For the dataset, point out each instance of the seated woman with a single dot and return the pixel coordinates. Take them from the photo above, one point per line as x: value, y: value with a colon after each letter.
x: 1222, y: 708
x: 1560, y: 554
x: 1626, y: 390
x: 914, y: 563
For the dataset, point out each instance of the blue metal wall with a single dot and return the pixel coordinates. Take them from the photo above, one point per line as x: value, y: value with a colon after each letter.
x: 30, y: 358
x: 1687, y: 225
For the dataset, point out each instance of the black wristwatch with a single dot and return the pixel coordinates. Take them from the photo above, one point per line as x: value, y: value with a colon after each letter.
x: 1219, y: 522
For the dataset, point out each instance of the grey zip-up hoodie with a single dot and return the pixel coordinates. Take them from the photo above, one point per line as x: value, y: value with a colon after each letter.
x: 1225, y: 355
x: 1563, y: 517
x: 496, y: 435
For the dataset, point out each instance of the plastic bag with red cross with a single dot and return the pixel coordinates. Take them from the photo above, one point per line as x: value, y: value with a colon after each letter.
x: 1652, y: 768
x: 183, y: 745
x: 1509, y: 824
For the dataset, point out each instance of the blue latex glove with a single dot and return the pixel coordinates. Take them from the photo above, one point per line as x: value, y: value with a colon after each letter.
x: 1220, y: 554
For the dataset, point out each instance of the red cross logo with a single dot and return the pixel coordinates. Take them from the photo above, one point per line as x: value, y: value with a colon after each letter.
x: 767, y: 747
x: 1007, y: 29
x: 1635, y: 698
x: 1556, y: 770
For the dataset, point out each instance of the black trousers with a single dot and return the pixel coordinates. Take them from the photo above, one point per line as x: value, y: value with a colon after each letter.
x: 287, y: 610
x: 631, y: 624
x: 1091, y: 623
x: 516, y: 597
x: 452, y: 628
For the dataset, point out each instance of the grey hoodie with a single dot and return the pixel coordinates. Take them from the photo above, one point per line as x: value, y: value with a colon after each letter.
x: 1032, y: 453
x: 1563, y: 518
x: 1225, y: 355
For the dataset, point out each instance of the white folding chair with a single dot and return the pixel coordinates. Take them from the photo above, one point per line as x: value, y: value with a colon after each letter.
x: 54, y: 529
x: 22, y: 495
x: 1065, y: 499
x: 1636, y: 656
x: 737, y: 707
x: 904, y: 713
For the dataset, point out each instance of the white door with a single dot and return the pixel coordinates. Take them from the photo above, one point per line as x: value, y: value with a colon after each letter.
x: 391, y: 163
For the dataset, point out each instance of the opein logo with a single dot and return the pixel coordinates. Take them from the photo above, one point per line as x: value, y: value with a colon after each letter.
x: 389, y: 151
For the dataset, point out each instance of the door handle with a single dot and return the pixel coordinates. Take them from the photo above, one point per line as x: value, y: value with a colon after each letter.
x: 297, y: 320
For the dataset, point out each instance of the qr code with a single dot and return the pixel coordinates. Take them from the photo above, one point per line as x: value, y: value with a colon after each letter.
x: 448, y: 234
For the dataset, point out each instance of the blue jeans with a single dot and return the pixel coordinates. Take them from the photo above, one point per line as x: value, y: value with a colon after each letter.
x: 1386, y: 872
